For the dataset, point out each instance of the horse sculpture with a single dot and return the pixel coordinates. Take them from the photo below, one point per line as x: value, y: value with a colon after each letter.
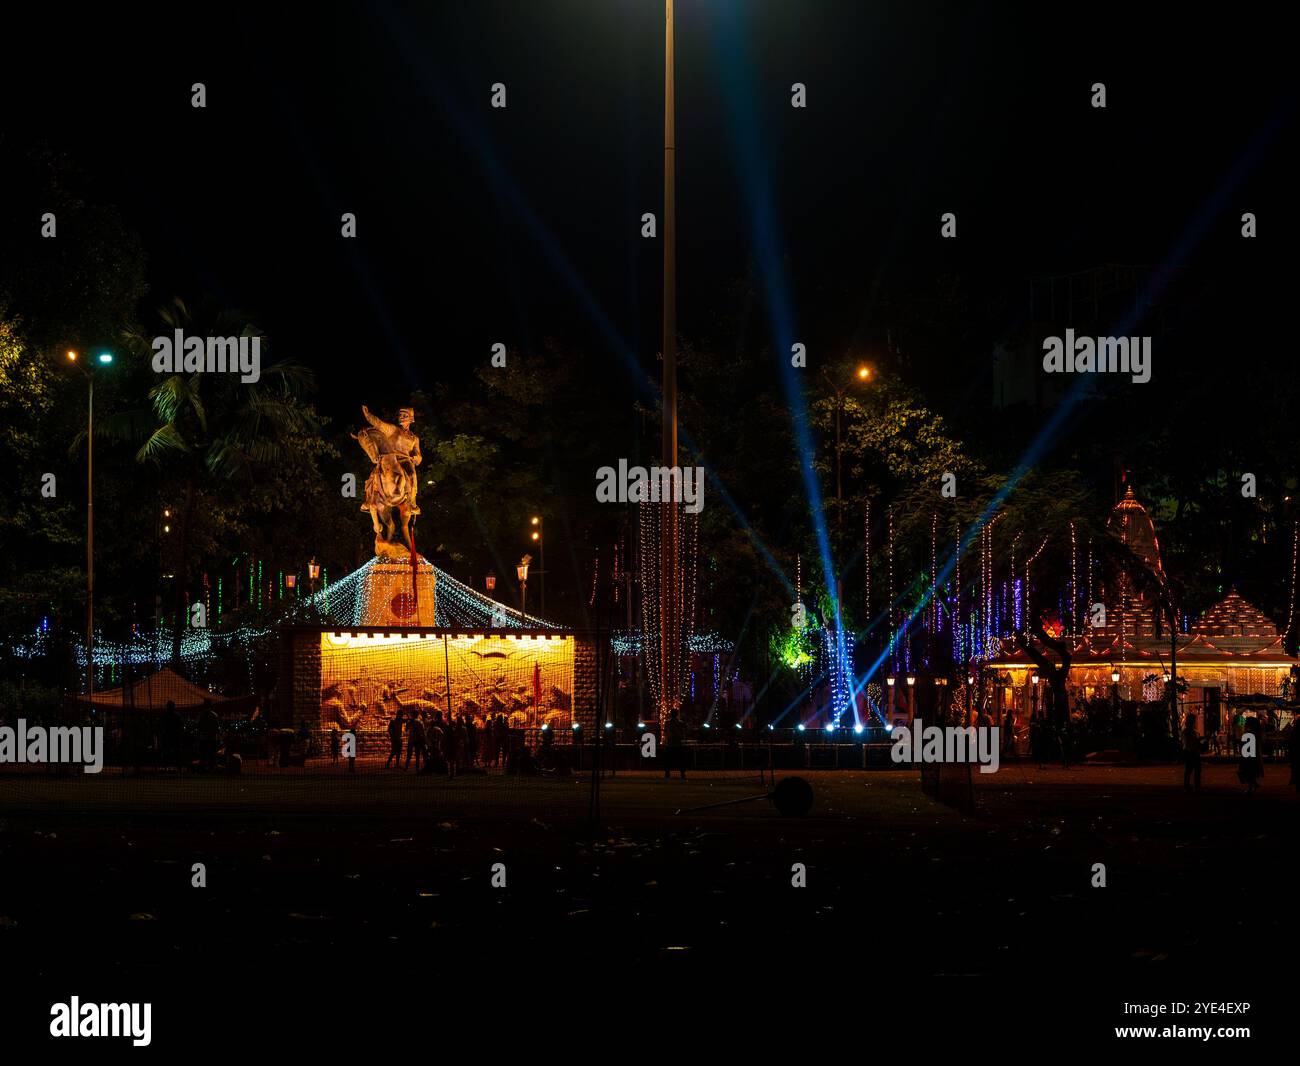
x: 393, y: 483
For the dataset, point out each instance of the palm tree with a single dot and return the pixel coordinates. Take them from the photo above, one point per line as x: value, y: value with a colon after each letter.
x: 213, y: 428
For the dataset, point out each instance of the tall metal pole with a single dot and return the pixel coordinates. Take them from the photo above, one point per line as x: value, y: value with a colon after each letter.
x: 670, y: 246
x: 669, y: 620
x: 90, y: 543
x: 839, y: 488
x: 541, y: 544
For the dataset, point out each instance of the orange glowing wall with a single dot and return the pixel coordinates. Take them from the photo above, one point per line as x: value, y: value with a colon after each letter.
x: 365, y: 679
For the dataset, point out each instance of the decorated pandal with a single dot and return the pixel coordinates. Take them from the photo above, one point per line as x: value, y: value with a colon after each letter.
x: 366, y: 677
x: 398, y: 637
x: 1232, y: 653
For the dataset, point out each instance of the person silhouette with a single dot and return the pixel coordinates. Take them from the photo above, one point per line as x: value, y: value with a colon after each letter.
x: 1191, y: 754
x: 1250, y: 765
x: 1293, y: 751
x: 674, y: 735
x: 394, y: 741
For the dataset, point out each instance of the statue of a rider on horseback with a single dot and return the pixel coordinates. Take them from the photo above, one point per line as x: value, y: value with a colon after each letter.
x: 391, y: 486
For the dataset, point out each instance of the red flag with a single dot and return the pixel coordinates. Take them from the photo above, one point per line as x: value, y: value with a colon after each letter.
x: 415, y: 565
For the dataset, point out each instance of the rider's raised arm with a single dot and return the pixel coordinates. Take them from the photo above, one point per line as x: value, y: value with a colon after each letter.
x: 378, y: 423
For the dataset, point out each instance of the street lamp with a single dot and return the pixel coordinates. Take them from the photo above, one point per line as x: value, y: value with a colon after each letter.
x: 490, y: 581
x: 863, y: 374
x: 539, y: 538
x: 522, y: 572
x: 103, y: 359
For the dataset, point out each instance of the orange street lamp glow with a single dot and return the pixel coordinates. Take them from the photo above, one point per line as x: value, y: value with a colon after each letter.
x: 72, y: 356
x: 536, y: 535
x: 864, y: 372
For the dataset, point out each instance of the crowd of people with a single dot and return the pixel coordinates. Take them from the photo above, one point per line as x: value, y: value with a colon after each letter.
x: 450, y: 744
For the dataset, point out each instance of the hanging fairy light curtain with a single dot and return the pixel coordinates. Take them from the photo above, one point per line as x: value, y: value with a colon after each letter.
x: 668, y: 674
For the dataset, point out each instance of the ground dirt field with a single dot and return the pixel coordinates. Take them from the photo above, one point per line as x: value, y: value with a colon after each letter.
x: 326, y: 893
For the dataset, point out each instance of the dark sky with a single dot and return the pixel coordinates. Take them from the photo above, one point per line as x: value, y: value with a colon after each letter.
x: 478, y: 225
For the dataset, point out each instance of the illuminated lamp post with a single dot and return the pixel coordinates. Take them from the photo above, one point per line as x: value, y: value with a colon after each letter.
x: 1114, y: 687
x: 291, y: 583
x: 104, y: 359
x: 863, y: 374
x: 670, y: 621
x: 522, y: 572
x: 313, y: 575
x: 490, y: 581
x: 539, y: 538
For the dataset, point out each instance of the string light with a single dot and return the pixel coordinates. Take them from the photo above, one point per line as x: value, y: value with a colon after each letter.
x: 1295, y: 549
x: 1028, y: 563
x: 932, y: 607
x: 667, y: 691
x: 866, y: 555
x: 893, y: 634
x: 1074, y: 580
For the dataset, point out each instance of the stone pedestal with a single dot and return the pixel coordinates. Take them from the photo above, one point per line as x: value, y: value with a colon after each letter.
x: 389, y: 597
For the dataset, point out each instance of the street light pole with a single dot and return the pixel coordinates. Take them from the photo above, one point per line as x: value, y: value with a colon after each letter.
x: 90, y: 542
x: 539, y: 535
x: 521, y: 572
x: 864, y: 374
x: 669, y: 622
x: 839, y: 468
x: 104, y: 358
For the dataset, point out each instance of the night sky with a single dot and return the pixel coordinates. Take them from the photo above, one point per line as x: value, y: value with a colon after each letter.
x: 479, y: 225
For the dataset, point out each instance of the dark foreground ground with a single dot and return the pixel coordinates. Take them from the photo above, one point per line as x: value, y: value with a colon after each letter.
x: 340, y: 906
